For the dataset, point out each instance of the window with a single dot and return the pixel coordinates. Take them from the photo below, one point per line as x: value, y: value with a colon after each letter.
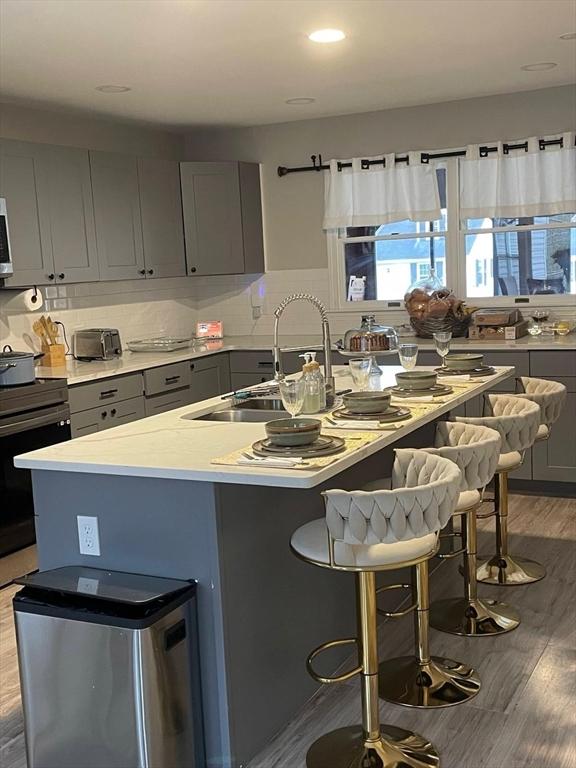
x: 387, y: 259
x: 532, y: 256
x: 489, y: 259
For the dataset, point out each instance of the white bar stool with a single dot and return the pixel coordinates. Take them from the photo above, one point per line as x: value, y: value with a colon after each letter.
x: 517, y: 420
x: 476, y: 451
x: 550, y: 396
x: 365, y: 532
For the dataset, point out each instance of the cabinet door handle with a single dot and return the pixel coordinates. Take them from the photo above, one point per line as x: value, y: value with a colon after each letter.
x: 191, y: 366
x: 192, y: 269
x: 113, y: 412
x: 171, y: 379
x: 104, y: 414
x: 150, y: 271
x: 108, y: 393
x: 51, y: 276
x: 61, y: 276
x: 141, y: 271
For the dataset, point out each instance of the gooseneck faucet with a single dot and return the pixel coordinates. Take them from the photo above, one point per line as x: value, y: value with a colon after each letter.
x: 278, y: 312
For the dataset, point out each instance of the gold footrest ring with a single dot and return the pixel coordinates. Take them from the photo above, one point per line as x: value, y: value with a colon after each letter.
x: 395, y: 614
x: 508, y: 571
x: 473, y: 618
x: 438, y: 683
x: 348, y: 748
x: 324, y: 647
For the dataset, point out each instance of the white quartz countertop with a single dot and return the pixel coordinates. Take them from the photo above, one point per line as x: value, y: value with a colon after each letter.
x: 171, y: 446
x: 78, y: 372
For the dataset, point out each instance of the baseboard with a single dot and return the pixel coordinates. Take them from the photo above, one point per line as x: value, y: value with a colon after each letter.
x: 542, y: 488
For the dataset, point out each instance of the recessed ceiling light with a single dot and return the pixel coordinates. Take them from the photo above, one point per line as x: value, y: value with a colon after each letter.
x: 113, y: 88
x: 540, y: 66
x: 301, y: 100
x: 568, y: 36
x: 327, y: 36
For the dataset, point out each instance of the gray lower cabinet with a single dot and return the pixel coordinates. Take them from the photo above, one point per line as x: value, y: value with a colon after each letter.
x: 106, y: 403
x: 107, y: 416
x: 167, y: 401
x: 209, y: 377
x: 118, y: 217
x: 24, y: 184
x: 161, y: 209
x: 222, y: 211
x: 166, y: 378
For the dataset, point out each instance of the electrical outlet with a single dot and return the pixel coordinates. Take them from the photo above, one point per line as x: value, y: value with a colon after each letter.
x: 88, y: 536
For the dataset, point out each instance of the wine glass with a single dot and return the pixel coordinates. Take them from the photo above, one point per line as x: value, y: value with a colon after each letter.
x: 442, y: 343
x: 408, y: 354
x: 292, y: 392
x: 360, y: 370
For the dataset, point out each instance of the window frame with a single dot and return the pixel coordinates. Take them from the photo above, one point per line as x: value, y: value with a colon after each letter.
x: 455, y: 263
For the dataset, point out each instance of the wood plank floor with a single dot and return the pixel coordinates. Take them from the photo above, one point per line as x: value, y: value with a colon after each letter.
x: 525, y: 714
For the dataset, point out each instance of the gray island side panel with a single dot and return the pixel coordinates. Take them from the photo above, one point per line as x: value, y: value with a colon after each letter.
x: 154, y: 527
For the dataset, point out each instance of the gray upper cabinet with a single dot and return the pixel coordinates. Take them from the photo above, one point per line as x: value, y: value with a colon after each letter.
x: 23, y: 182
x: 71, y: 210
x: 161, y: 208
x: 51, y: 214
x: 117, y: 214
x: 222, y: 218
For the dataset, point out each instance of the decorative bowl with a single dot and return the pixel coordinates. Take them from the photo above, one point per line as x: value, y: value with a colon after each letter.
x: 463, y: 361
x: 367, y: 402
x: 416, y: 379
x: 291, y: 432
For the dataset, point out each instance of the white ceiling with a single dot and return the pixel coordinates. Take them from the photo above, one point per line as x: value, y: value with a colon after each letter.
x: 235, y: 62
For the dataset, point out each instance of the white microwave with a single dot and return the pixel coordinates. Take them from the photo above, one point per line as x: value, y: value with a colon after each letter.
x: 5, y: 260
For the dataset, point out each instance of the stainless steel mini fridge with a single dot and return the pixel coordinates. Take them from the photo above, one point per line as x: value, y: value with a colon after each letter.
x: 108, y: 670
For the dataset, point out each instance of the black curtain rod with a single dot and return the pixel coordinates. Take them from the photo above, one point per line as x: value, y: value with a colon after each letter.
x: 425, y: 157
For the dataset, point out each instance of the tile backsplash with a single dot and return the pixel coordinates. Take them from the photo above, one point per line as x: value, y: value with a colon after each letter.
x: 245, y: 304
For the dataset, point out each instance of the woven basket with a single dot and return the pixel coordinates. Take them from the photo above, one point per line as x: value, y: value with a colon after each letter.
x: 427, y: 327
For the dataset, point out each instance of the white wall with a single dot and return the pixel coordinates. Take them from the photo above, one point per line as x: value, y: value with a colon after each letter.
x: 293, y: 205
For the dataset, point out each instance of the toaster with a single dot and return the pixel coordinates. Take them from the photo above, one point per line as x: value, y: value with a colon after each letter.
x: 97, y: 344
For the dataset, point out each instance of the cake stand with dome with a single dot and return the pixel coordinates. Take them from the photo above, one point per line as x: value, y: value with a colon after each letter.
x: 370, y: 340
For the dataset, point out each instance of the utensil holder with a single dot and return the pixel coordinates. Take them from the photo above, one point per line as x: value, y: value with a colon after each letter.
x: 54, y: 355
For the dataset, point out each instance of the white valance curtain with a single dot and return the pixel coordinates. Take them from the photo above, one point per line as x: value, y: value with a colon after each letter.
x: 363, y: 197
x: 536, y: 182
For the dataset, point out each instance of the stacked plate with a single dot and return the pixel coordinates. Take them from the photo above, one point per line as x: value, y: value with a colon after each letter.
x: 370, y: 406
x: 325, y: 445
x: 418, y: 383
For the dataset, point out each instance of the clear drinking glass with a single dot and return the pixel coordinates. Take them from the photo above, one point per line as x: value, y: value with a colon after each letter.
x: 442, y: 343
x: 292, y: 392
x: 408, y: 354
x: 360, y: 370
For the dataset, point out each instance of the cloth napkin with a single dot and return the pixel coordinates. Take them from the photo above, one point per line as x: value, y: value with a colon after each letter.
x: 419, y: 399
x: 272, y: 461
x: 459, y: 377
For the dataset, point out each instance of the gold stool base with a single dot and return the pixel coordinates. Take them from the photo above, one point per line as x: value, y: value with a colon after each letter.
x: 509, y: 571
x: 474, y: 618
x: 347, y: 748
x: 439, y: 683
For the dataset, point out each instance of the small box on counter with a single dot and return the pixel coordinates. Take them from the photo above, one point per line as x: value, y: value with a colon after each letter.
x: 499, y: 332
x: 496, y: 317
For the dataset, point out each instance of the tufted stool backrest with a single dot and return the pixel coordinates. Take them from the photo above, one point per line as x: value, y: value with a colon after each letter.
x: 550, y: 396
x: 424, y: 492
x: 516, y: 419
x: 474, y: 448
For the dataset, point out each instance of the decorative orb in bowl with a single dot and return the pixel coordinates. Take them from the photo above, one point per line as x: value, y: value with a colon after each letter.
x: 416, y: 379
x: 367, y: 402
x: 292, y: 432
x: 463, y: 361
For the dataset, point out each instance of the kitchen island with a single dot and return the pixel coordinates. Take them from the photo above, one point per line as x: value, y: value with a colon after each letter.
x: 165, y: 509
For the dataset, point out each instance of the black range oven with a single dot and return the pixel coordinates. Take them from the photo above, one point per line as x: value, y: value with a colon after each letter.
x: 32, y: 416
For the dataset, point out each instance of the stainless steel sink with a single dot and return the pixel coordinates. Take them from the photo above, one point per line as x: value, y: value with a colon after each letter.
x: 232, y: 415
x: 261, y: 404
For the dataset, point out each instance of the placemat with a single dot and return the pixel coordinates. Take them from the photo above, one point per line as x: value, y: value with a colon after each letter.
x: 353, y: 443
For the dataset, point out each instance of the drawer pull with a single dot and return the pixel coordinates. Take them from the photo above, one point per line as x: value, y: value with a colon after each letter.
x: 104, y: 414
x: 172, y: 379
x: 191, y: 366
x: 113, y: 412
x: 265, y: 364
x: 108, y: 393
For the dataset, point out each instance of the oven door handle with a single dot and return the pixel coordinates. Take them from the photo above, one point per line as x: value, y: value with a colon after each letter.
x: 56, y: 416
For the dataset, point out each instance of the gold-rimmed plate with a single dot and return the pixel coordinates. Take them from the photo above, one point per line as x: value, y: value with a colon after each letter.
x: 482, y: 370
x: 325, y: 445
x: 436, y: 391
x: 394, y: 413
